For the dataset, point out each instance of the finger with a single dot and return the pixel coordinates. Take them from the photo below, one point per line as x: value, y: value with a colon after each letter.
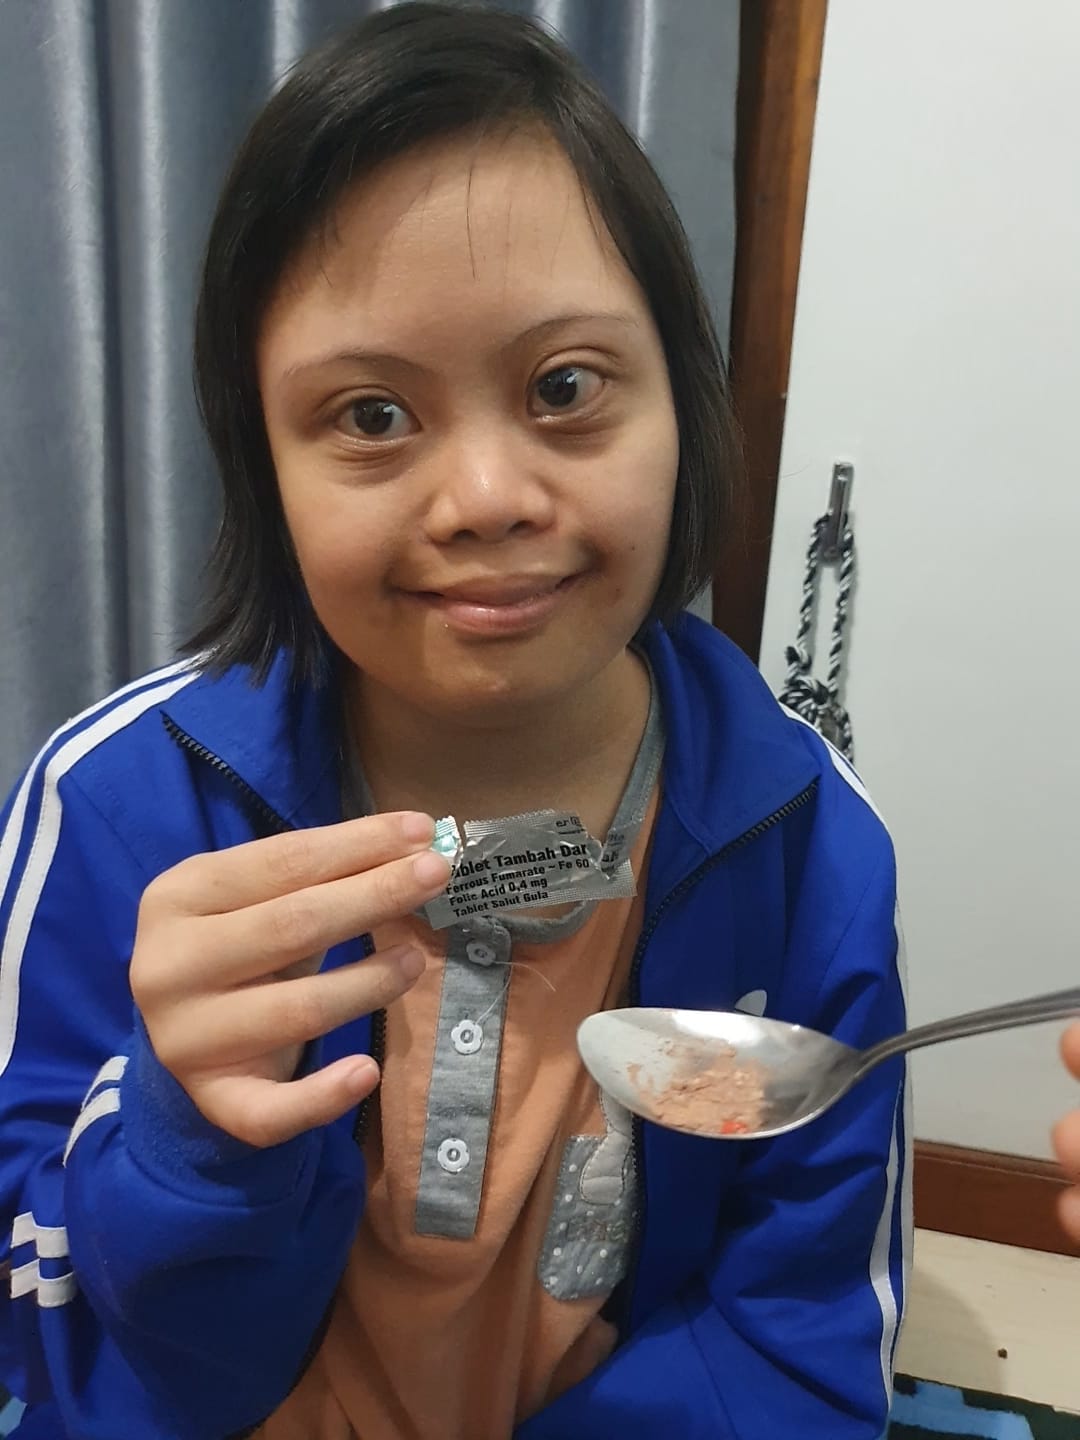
x: 226, y: 1030
x: 1067, y: 1143
x: 228, y: 880
x: 1069, y: 1213
x: 1070, y: 1048
x: 268, y: 1112
x: 263, y: 939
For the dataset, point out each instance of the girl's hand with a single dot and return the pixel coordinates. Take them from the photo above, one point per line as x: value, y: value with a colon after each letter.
x: 1067, y: 1139
x: 226, y: 966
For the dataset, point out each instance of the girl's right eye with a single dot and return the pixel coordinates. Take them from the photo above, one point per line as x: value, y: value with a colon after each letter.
x: 373, y: 417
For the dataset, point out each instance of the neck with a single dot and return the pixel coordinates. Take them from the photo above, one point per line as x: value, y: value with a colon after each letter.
x: 573, y: 754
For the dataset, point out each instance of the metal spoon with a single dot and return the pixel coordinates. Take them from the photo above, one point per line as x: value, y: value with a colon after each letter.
x: 729, y: 1075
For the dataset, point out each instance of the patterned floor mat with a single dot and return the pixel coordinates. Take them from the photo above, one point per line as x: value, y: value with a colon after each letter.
x: 922, y: 1411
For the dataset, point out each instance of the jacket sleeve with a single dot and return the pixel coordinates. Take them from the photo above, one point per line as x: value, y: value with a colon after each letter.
x: 165, y: 1280
x: 791, y: 1331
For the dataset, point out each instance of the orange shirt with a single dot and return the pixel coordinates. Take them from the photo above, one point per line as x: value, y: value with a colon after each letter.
x: 500, y: 1190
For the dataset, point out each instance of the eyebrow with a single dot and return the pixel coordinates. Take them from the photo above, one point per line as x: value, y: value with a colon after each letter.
x: 358, y: 356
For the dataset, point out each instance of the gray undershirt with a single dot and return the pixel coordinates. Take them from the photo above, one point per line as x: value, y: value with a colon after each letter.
x: 476, y: 978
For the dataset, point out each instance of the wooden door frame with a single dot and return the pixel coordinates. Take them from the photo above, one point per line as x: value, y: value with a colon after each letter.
x: 780, y: 45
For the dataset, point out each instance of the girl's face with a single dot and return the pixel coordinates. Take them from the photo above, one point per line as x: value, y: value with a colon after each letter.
x: 473, y: 431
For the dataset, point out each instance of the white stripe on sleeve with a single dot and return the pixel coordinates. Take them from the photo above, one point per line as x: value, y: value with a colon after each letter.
x: 55, y: 1291
x: 9, y: 841
x: 46, y: 837
x: 842, y: 767
x: 881, y: 1259
x: 109, y: 1074
x: 50, y: 1241
x: 105, y: 1102
x: 907, y: 1175
x: 899, y: 1169
x: 898, y: 1172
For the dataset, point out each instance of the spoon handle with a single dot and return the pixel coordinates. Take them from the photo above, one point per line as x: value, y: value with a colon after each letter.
x: 1058, y: 1006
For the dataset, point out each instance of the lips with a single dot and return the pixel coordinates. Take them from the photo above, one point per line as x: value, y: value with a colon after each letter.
x: 501, y: 590
x: 498, y: 606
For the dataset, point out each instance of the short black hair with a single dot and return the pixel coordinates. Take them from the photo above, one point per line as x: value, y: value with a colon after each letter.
x: 413, y: 73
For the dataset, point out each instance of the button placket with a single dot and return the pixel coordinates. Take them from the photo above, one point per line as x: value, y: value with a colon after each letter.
x: 464, y: 1071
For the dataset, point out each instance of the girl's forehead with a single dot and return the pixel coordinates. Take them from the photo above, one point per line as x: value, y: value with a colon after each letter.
x: 487, y: 232
x: 466, y: 203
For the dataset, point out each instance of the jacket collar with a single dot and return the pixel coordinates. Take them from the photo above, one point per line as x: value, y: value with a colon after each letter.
x: 732, y: 758
x: 280, y: 737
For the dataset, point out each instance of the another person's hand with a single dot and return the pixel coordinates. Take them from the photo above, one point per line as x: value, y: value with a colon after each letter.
x: 1067, y: 1139
x: 226, y: 974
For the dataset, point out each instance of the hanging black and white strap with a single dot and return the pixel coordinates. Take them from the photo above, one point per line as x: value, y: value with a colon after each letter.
x: 819, y: 701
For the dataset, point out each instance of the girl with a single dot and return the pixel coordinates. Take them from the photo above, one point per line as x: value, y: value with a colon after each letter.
x: 282, y: 1157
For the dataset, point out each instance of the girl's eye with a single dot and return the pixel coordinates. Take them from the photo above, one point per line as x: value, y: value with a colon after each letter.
x: 566, y: 388
x: 375, y: 418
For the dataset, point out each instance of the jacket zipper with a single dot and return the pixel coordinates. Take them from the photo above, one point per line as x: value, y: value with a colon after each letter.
x: 274, y: 824
x: 270, y: 822
x: 637, y: 1149
x: 377, y: 1051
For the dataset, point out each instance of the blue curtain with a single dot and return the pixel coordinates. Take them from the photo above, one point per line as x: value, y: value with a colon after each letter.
x: 117, y: 121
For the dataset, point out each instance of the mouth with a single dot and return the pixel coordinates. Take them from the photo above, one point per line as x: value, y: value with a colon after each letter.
x: 498, y: 606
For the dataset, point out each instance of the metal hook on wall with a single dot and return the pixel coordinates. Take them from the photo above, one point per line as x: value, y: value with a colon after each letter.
x: 836, y: 520
x: 831, y: 542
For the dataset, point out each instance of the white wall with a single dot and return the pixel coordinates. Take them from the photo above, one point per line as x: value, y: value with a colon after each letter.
x: 937, y: 344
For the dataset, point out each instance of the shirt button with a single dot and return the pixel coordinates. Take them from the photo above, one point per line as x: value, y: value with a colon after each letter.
x: 479, y: 953
x: 467, y: 1036
x: 453, y: 1156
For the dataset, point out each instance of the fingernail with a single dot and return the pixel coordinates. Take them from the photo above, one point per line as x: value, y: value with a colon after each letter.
x: 361, y: 1075
x: 417, y: 827
x: 431, y: 869
x: 412, y: 964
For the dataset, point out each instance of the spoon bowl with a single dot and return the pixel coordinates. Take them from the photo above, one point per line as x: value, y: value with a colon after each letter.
x: 729, y: 1075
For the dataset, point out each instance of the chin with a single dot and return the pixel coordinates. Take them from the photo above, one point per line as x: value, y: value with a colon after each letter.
x: 495, y: 696
x: 485, y: 690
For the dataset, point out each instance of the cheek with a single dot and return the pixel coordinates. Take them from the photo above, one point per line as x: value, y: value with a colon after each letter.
x: 337, y: 549
x: 641, y: 523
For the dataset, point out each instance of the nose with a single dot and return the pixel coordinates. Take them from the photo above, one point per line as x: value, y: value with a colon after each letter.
x: 487, y: 486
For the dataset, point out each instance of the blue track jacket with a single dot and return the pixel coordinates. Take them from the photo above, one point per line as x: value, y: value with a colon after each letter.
x: 168, y: 1282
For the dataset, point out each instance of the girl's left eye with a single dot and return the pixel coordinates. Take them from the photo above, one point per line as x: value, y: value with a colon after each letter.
x: 565, y: 389
x: 375, y: 418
